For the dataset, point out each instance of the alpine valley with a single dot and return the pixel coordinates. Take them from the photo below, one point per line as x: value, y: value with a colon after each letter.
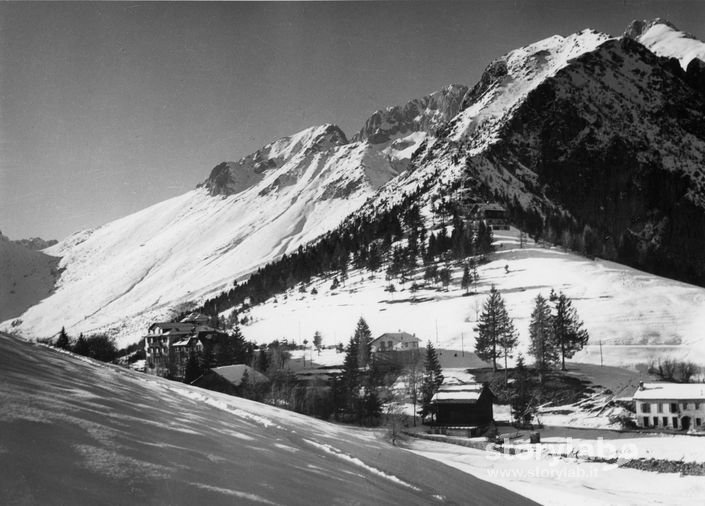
x: 594, y: 144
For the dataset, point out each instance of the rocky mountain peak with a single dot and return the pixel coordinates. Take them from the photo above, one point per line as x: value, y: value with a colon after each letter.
x: 640, y: 26
x: 228, y: 178
x: 421, y: 114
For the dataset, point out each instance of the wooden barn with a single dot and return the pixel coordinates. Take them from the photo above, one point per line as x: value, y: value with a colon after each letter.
x: 468, y: 405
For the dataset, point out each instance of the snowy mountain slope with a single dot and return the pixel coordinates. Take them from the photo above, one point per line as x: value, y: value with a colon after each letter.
x: 664, y: 39
x: 73, y: 431
x: 26, y: 277
x: 122, y: 276
x: 636, y: 316
x: 140, y: 266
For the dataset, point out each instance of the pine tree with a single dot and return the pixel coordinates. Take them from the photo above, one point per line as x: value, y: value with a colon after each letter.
x: 521, y: 401
x: 466, y: 281
x: 432, y: 378
x: 507, y: 342
x: 495, y: 330
x: 363, y: 342
x: 63, y: 340
x: 81, y: 346
x: 192, y: 370
x: 568, y: 332
x: 350, y: 378
x: 542, y: 345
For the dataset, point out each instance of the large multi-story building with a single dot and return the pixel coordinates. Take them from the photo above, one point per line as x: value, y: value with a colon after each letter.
x: 674, y: 406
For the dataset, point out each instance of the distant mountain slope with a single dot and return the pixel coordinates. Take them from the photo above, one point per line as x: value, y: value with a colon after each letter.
x: 26, y: 277
x: 77, y: 432
x: 123, y: 275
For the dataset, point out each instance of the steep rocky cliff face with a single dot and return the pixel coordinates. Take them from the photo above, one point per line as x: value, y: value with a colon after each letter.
x: 617, y: 139
x: 420, y: 115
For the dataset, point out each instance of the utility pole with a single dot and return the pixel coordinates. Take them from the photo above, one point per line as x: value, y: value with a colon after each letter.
x: 462, y: 345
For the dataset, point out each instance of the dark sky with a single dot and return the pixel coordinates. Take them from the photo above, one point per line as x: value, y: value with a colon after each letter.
x: 106, y: 108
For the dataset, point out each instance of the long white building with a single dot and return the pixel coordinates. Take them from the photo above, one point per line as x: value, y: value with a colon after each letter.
x: 674, y: 406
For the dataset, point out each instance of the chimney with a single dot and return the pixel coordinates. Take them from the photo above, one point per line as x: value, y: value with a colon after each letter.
x: 641, y: 385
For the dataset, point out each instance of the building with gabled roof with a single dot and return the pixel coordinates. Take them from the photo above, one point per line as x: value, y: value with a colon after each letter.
x: 674, y: 406
x: 395, y: 341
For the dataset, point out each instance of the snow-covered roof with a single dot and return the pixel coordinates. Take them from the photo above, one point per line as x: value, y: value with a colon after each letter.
x: 184, y: 342
x: 459, y: 393
x: 668, y: 391
x: 234, y: 373
x: 397, y: 336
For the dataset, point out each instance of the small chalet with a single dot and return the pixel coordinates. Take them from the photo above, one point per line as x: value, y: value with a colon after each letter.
x: 468, y: 405
x: 168, y: 344
x: 229, y: 379
x: 674, y: 406
x: 399, y: 341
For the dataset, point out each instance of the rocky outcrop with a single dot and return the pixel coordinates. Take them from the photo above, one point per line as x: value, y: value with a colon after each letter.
x: 424, y: 114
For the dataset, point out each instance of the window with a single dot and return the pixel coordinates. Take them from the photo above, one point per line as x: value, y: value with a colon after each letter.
x: 655, y: 421
x: 646, y: 421
x: 659, y: 407
x: 685, y: 406
x: 665, y: 421
x: 675, y: 422
x: 674, y: 407
x: 697, y: 406
x: 645, y: 407
x: 698, y: 422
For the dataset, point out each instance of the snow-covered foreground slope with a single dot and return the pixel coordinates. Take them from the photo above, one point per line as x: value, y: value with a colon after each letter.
x: 77, y: 432
x: 26, y: 277
x: 123, y: 275
x: 559, y: 481
x: 635, y: 315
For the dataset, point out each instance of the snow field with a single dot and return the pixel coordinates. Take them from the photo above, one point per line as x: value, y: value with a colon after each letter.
x: 636, y: 316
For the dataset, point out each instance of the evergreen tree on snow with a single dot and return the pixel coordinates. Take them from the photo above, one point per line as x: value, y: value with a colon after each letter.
x: 467, y: 279
x: 432, y: 378
x: 496, y: 334
x: 63, y: 340
x: 350, y: 378
x: 568, y: 332
x: 542, y: 344
x: 193, y: 369
x: 522, y: 400
x: 363, y: 341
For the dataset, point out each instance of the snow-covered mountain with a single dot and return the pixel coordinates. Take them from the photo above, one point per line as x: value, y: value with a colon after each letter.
x: 664, y: 39
x: 123, y: 275
x: 598, y: 138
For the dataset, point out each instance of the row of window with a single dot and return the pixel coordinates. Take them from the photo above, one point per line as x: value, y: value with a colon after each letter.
x: 664, y: 422
x: 673, y: 406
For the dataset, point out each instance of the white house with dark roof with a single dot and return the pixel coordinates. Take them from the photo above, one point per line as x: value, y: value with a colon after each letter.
x: 674, y: 406
x: 395, y: 341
